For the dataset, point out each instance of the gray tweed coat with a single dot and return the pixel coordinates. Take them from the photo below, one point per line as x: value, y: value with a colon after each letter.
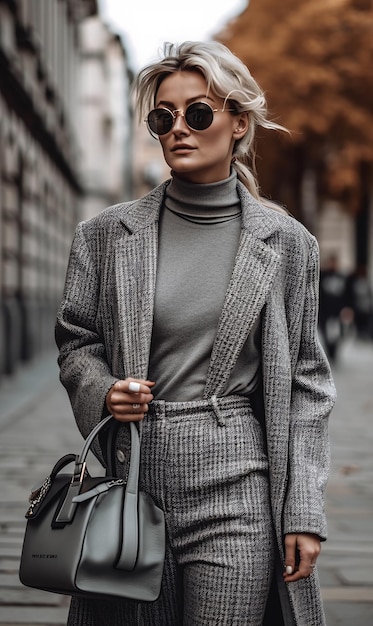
x: 104, y: 330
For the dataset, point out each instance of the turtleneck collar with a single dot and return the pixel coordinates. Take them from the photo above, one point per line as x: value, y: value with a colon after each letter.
x: 209, y: 203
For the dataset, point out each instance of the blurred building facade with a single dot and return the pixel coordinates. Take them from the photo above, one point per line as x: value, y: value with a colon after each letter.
x: 106, y: 121
x: 150, y: 168
x: 65, y: 141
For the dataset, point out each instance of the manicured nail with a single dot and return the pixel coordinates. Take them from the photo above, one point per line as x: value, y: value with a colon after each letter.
x: 135, y: 387
x: 289, y: 569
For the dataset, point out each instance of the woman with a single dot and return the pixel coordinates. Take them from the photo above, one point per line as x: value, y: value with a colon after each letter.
x: 194, y: 311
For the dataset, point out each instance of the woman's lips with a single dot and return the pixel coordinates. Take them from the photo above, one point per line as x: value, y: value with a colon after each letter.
x: 182, y: 147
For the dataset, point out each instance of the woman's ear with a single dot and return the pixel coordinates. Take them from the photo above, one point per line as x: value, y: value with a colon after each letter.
x: 241, y: 125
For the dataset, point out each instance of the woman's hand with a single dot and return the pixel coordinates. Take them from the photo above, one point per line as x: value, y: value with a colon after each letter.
x: 128, y: 399
x: 301, y: 552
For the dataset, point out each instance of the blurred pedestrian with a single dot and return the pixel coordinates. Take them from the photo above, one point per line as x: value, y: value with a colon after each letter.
x: 194, y: 311
x: 333, y: 299
x: 360, y: 299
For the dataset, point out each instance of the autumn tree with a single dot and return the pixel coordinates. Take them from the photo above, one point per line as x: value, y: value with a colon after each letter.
x: 314, y: 61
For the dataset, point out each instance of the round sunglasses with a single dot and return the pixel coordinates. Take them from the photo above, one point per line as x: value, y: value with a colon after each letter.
x: 198, y: 116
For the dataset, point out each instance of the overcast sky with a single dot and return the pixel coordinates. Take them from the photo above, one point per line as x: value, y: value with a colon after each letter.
x: 146, y: 24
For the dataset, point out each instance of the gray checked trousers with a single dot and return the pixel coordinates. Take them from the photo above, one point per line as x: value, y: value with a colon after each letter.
x: 204, y: 463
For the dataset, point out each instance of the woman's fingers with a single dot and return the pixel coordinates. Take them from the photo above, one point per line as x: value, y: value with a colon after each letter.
x: 290, y: 555
x: 133, y: 385
x: 128, y: 400
x: 301, y: 552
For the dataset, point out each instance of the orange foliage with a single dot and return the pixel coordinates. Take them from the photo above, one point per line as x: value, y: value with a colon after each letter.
x: 314, y: 60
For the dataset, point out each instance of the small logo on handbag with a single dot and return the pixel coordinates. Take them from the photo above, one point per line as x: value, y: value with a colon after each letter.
x: 44, y: 556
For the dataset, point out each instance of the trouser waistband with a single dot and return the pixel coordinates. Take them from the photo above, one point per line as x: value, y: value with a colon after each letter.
x: 161, y: 409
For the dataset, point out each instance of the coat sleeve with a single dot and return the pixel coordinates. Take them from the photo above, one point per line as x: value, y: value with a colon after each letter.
x: 84, y: 370
x: 313, y: 396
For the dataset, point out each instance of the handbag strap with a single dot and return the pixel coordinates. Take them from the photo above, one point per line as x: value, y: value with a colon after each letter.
x: 109, y: 452
x: 129, y: 549
x: 130, y: 540
x: 92, y: 435
x: 133, y: 475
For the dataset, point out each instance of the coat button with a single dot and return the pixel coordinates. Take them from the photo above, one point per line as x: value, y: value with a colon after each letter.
x: 121, y: 456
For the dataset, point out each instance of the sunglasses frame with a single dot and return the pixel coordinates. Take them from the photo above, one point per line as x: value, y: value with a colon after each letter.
x: 183, y: 112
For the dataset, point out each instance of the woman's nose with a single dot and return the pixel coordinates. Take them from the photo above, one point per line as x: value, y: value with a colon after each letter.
x: 180, y: 125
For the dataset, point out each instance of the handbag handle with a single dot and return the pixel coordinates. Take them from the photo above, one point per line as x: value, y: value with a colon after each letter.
x: 129, y: 550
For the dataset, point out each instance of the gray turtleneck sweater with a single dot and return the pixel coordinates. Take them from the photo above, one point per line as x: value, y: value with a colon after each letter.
x: 199, y: 233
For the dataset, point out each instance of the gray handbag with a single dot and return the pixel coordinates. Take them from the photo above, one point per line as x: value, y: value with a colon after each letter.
x: 94, y: 537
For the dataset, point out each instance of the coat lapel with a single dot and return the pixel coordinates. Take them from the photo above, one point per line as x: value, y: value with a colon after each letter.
x: 254, y: 271
x: 135, y: 275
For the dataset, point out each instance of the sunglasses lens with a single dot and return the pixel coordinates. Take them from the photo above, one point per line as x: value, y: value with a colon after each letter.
x: 160, y: 121
x: 199, y: 116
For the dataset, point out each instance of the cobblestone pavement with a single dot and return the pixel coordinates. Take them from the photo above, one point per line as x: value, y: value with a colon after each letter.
x: 36, y: 427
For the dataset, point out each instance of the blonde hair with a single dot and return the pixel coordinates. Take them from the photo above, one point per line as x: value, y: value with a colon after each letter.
x: 228, y: 77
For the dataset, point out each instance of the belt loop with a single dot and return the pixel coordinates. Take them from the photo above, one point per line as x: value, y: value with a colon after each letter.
x: 218, y: 414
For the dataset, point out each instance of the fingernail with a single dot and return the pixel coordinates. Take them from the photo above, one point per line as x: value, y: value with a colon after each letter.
x: 289, y: 569
x: 135, y: 387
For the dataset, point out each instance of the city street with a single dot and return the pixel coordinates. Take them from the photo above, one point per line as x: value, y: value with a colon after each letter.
x: 36, y: 427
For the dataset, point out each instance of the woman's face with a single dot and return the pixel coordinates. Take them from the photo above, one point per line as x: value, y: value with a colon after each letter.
x: 197, y: 156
